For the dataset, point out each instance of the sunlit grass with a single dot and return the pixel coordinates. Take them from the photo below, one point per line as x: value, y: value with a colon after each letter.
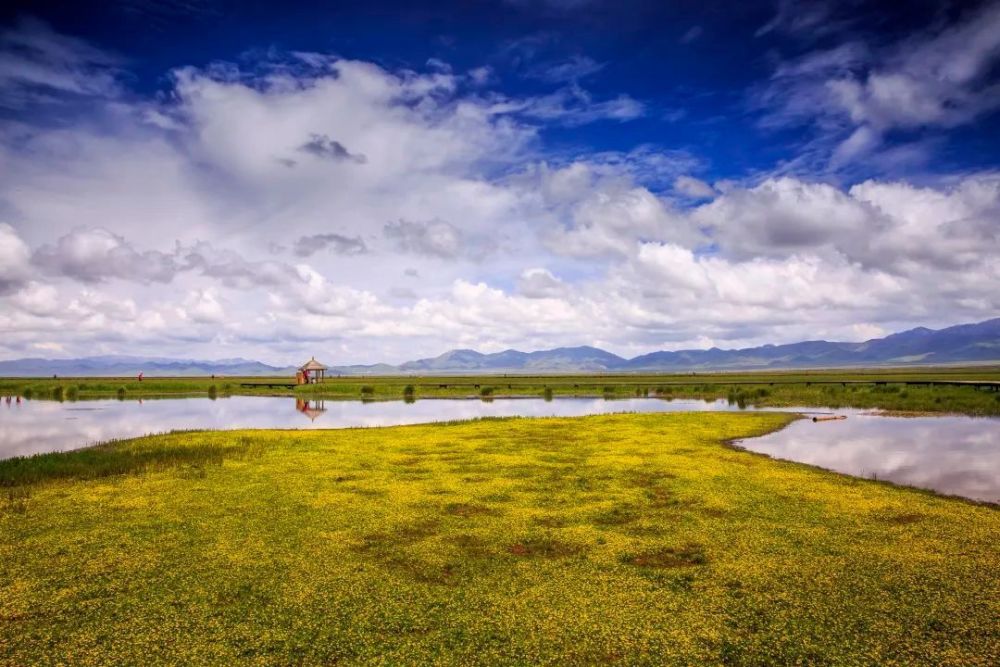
x: 631, y: 539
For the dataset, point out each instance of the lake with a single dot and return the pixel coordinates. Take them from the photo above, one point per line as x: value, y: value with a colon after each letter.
x: 954, y: 455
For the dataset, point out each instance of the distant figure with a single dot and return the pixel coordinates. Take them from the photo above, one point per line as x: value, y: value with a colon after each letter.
x: 140, y: 376
x: 8, y: 400
x: 19, y: 400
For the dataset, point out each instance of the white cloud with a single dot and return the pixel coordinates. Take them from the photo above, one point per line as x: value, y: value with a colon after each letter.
x: 341, y: 245
x: 856, y: 93
x: 694, y: 188
x: 436, y: 238
x: 93, y: 255
x: 166, y: 231
x: 598, y: 213
x: 572, y: 105
x: 691, y: 34
x: 538, y: 283
x: 572, y: 69
x: 783, y: 216
x: 15, y: 259
x: 37, y: 64
x: 203, y: 306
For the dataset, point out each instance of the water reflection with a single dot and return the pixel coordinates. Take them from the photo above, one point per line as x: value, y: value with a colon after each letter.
x: 310, y: 408
x: 44, y: 426
x: 954, y: 455
x: 957, y: 455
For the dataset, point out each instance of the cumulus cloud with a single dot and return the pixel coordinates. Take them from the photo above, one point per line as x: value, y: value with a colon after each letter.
x: 94, y: 255
x: 15, y: 260
x: 307, y: 246
x: 886, y: 225
x: 695, y: 188
x: 436, y: 237
x: 203, y: 306
x: 234, y: 270
x: 597, y: 213
x: 539, y: 283
x: 324, y: 147
x: 786, y: 215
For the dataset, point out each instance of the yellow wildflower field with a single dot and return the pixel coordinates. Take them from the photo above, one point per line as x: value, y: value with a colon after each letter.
x: 630, y: 539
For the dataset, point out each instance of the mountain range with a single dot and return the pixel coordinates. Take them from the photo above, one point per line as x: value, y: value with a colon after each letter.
x: 965, y: 343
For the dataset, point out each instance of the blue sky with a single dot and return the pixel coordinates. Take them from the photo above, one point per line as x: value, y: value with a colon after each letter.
x: 387, y: 180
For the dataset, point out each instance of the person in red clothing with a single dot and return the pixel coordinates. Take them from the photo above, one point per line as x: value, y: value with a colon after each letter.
x: 140, y: 376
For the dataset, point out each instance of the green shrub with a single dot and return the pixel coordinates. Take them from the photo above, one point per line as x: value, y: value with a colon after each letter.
x: 548, y: 393
x: 213, y: 392
x: 72, y: 393
x: 486, y: 391
x: 367, y: 390
x: 409, y: 391
x: 28, y: 393
x: 121, y: 393
x: 57, y: 393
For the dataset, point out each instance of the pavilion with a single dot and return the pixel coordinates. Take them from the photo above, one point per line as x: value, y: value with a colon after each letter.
x: 311, y: 372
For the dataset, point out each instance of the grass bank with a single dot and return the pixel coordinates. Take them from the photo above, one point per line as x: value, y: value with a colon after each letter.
x: 888, y: 389
x: 631, y: 539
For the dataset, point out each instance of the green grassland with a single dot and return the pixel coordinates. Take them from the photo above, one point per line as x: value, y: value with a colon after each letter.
x: 876, y: 388
x: 628, y: 539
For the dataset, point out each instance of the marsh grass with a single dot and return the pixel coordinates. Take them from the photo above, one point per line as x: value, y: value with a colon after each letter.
x: 129, y: 457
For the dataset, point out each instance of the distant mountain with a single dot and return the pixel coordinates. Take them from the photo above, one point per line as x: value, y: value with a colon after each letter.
x: 123, y: 365
x: 969, y: 343
x: 561, y: 358
x: 963, y: 343
x: 966, y: 343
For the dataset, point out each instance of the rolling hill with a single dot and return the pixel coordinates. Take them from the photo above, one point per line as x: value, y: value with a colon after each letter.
x: 965, y: 343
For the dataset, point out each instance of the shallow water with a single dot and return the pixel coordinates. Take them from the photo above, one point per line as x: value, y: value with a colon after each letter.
x: 48, y: 426
x: 955, y: 455
x: 949, y: 454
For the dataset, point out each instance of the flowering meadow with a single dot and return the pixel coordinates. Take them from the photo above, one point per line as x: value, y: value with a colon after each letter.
x: 628, y: 539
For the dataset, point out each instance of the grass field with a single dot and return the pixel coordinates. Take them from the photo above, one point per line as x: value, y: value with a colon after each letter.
x: 878, y: 388
x: 630, y: 539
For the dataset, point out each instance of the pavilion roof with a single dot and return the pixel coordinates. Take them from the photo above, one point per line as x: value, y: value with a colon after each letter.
x: 312, y: 365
